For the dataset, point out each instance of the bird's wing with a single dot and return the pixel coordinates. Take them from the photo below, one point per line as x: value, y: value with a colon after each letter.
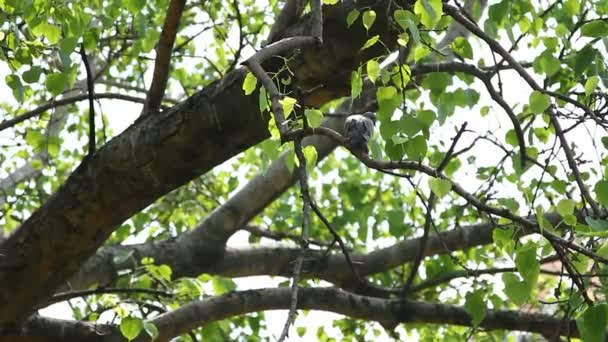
x: 368, y: 128
x: 350, y: 125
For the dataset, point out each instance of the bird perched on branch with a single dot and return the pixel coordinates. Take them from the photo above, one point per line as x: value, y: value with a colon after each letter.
x: 359, y: 129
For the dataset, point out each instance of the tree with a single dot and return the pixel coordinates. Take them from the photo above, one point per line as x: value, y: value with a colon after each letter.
x: 479, y: 210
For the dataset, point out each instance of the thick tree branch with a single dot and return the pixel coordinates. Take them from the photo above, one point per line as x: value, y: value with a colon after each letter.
x: 388, y: 312
x: 152, y: 157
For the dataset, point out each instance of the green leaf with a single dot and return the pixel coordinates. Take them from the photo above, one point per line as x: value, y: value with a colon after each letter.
x: 32, y: 75
x: 388, y: 100
x: 330, y: 2
x: 566, y: 207
x: 408, y: 21
x: 596, y: 29
x: 461, y: 47
x: 352, y: 17
x: 368, y: 19
x: 547, y: 63
x: 249, y: 83
x: 394, y: 151
x: 475, y: 306
x: 273, y: 129
x: 222, y: 285
x: 430, y: 12
x: 601, y: 192
x: 539, y: 102
x: 592, y: 324
x: 311, y: 155
x: 403, y: 39
x: 14, y: 82
x: 34, y: 138
x: 164, y: 271
x: 598, y: 225
x: 570, y: 220
x: 591, y: 85
x: 50, y: 31
x: 416, y: 148
x: 370, y: 42
x: 134, y: 6
x: 130, y: 327
x: 314, y: 117
x: 37, y: 164
x: 288, y: 104
x: 373, y: 70
x: 498, y: 12
x: 401, y: 76
x: 542, y: 220
x: 572, y: 7
x: 301, y: 331
x: 56, y: 83
x: 527, y: 264
x: 356, y: 84
x: 605, y: 142
x: 440, y: 187
x: 263, y: 100
x: 151, y: 329
x: 290, y: 157
x: 511, y: 138
x: 515, y: 289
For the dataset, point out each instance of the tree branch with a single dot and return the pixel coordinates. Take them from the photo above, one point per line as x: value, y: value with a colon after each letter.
x: 65, y: 101
x: 455, y: 13
x: 388, y: 312
x: 162, y: 63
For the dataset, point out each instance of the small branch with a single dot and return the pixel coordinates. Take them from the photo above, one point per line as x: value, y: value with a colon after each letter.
x: 495, y: 46
x: 516, y: 125
x: 254, y: 63
x: 428, y: 219
x: 289, y: 15
x: 239, y: 21
x: 473, y: 200
x: 90, y: 95
x: 338, y: 239
x: 162, y: 63
x: 63, y: 296
x: 69, y: 100
x: 278, y: 236
x: 306, y: 218
x: 573, y: 166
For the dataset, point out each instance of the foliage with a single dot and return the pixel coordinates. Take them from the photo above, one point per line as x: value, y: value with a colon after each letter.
x: 423, y: 99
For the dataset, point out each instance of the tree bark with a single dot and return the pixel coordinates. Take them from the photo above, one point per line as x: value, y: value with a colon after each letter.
x: 159, y: 153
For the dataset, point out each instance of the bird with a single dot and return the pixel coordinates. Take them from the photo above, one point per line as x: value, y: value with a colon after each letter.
x: 359, y: 129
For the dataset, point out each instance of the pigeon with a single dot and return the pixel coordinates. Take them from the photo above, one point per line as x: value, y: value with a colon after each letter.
x: 359, y: 129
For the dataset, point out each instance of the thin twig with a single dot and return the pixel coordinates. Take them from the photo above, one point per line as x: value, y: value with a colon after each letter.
x: 239, y: 21
x: 65, y: 101
x: 495, y: 46
x: 254, y: 63
x: 63, y: 296
x: 428, y: 219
